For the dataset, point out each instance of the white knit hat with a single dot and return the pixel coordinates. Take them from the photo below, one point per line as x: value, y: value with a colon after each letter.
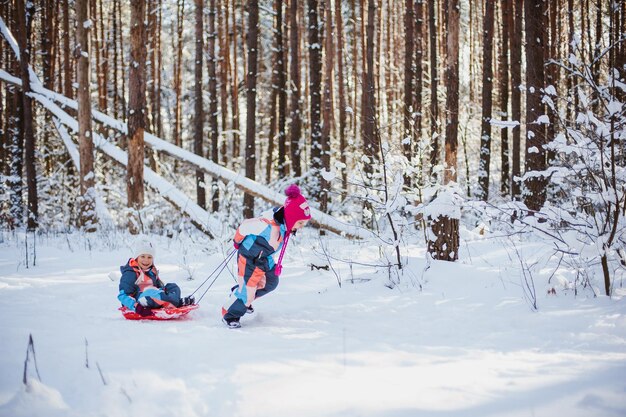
x: 144, y: 247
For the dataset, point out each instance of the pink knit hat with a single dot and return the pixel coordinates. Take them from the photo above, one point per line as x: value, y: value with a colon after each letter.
x: 296, y: 207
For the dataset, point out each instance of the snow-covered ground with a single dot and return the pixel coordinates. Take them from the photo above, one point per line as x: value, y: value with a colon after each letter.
x: 452, y: 339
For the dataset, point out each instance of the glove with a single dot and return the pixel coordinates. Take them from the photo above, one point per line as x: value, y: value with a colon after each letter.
x: 278, y: 270
x: 143, y: 311
x: 236, y: 245
x: 143, y: 301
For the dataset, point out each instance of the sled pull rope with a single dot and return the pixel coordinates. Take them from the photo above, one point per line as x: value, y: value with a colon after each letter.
x: 217, y: 270
x: 279, y: 265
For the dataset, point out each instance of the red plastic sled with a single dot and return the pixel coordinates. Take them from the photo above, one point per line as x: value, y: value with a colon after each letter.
x: 168, y: 313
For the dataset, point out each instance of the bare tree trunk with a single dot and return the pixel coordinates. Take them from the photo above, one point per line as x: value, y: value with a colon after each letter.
x: 253, y: 37
x: 595, y: 69
x: 370, y: 130
x: 535, y: 186
x: 621, y: 28
x: 295, y: 131
x: 178, y: 75
x: 434, y: 108
x: 487, y: 102
x: 25, y: 17
x: 47, y: 38
x: 67, y: 56
x: 223, y: 26
x: 151, y: 70
x: 88, y: 217
x: 409, y: 39
x: 4, y: 114
x: 571, y: 18
x: 472, y: 55
x: 356, y: 35
x: 48, y: 43
x: 116, y: 71
x: 198, y: 121
x: 103, y: 68
x: 552, y: 71
x: 57, y: 54
x: 343, y: 146
x: 15, y: 130
x: 385, y: 64
x: 315, y: 82
x: 584, y: 34
x: 157, y: 76
x: 505, y: 179
x: 452, y: 96
x: 273, y: 105
x: 381, y: 70
x: 213, y: 126
x: 516, y: 96
x: 123, y: 69
x: 235, y: 91
x: 419, y: 58
x: 447, y: 235
x: 444, y: 228
x: 328, y: 113
x: 282, y: 91
x: 244, y: 36
x: 136, y: 118
x: 94, y: 43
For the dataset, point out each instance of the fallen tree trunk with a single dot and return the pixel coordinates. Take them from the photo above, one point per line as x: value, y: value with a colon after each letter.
x: 247, y: 185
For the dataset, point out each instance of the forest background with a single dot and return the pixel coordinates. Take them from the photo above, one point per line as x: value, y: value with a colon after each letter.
x: 400, y: 118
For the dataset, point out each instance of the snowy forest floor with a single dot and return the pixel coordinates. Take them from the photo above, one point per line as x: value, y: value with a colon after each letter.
x: 452, y: 339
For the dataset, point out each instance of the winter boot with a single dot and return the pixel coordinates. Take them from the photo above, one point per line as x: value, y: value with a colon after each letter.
x: 187, y: 301
x: 250, y: 309
x: 232, y: 323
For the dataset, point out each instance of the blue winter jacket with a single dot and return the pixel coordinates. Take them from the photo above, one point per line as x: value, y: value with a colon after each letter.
x: 129, y: 290
x: 261, y: 238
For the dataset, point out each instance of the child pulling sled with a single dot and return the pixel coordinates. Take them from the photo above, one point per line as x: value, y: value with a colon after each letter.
x: 257, y: 241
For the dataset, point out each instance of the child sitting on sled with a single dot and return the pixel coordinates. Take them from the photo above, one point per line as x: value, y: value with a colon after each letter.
x: 257, y: 241
x: 141, y: 289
